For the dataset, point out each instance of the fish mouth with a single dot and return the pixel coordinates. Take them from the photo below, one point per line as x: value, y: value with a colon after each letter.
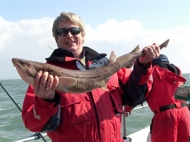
x: 14, y: 62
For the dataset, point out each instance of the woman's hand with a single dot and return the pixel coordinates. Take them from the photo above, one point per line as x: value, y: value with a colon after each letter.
x: 150, y: 53
x: 45, y: 85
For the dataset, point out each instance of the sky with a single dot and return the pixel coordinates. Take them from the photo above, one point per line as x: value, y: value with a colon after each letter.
x: 111, y: 25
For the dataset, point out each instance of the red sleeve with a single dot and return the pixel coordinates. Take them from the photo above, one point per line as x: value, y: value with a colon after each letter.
x: 135, y: 84
x: 36, y: 112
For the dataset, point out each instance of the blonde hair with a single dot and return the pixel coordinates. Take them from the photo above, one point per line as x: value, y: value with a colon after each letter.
x: 68, y: 16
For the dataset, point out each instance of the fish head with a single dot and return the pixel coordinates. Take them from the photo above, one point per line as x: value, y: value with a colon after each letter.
x: 26, y: 69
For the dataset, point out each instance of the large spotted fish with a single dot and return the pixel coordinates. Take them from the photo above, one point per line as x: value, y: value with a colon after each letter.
x: 77, y: 81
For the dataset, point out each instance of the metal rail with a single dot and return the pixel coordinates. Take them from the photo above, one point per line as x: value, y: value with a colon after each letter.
x: 36, y: 135
x: 31, y: 138
x: 124, y: 121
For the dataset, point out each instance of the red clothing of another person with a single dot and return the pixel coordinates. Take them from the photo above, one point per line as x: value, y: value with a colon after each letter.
x: 172, y: 125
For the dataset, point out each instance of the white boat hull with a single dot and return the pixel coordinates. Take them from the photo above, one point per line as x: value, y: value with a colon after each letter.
x: 142, y: 135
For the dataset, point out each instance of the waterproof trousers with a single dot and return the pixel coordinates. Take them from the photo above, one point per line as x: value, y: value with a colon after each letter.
x: 172, y: 125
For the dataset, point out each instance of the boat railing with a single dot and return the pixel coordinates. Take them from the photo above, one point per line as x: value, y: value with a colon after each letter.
x: 124, y: 120
x: 36, y: 135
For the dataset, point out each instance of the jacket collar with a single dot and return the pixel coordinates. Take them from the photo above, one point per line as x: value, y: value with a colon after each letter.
x: 93, y: 58
x: 164, y: 72
x: 59, y: 55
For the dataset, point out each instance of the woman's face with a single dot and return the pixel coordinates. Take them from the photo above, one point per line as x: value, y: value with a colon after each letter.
x: 69, y: 42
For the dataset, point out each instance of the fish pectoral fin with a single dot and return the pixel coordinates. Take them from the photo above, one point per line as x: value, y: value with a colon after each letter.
x: 104, y: 88
x: 104, y: 84
x: 65, y: 83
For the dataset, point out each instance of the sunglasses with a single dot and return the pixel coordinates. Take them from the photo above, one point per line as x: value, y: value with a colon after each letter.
x: 64, y: 31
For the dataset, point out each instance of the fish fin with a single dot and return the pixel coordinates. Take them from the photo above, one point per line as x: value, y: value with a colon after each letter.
x: 104, y: 88
x: 112, y: 58
x: 137, y: 49
x: 65, y: 83
x: 104, y: 84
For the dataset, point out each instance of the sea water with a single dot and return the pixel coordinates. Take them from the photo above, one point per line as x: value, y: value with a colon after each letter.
x: 13, y: 129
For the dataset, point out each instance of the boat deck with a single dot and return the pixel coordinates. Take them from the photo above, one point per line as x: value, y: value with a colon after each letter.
x: 140, y: 136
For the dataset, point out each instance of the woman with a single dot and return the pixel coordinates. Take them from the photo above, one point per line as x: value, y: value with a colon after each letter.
x: 92, y: 116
